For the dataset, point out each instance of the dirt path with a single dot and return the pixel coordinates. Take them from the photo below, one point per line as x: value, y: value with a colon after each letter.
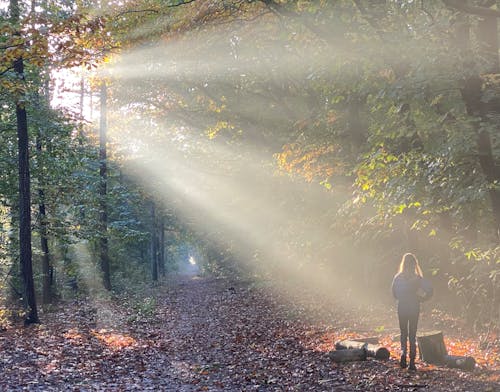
x: 230, y: 337
x: 206, y: 335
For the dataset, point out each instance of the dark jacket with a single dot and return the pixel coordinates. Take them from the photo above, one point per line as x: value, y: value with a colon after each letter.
x: 408, y: 290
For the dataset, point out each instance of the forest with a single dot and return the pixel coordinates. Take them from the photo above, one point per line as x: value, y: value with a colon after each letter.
x: 209, y: 194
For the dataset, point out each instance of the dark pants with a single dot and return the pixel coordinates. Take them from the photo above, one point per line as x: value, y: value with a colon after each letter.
x: 408, y: 321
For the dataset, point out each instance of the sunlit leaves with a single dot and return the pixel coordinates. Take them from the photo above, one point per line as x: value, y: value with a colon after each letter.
x: 212, y: 131
x: 311, y: 163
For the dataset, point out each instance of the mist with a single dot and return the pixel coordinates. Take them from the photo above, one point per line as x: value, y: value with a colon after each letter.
x: 200, y: 121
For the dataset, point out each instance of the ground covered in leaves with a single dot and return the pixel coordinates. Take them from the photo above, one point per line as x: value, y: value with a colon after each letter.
x: 206, y: 334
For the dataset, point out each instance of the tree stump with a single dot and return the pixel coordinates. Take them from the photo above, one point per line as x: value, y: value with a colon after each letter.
x: 431, y: 347
x: 460, y: 362
x: 372, y: 350
x: 348, y: 355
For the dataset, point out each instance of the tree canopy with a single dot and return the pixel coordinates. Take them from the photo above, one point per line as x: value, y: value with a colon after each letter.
x: 317, y: 139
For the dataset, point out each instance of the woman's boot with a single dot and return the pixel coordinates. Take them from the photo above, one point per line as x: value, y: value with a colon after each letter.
x: 413, y: 354
x: 402, y: 361
x: 404, y: 347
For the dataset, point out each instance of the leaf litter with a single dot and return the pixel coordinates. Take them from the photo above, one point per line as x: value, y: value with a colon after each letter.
x: 210, y: 334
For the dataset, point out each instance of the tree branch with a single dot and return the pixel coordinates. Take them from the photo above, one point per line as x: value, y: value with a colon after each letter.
x: 367, y: 16
x: 280, y: 10
x: 471, y: 9
x: 152, y: 10
x: 5, y: 70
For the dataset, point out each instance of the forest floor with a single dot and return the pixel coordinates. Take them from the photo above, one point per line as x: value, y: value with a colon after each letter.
x: 207, y: 334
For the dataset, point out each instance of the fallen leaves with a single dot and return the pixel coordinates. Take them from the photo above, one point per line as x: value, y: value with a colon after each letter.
x: 204, y: 337
x: 113, y: 340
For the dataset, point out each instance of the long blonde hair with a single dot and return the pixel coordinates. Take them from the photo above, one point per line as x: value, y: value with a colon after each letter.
x: 409, y: 265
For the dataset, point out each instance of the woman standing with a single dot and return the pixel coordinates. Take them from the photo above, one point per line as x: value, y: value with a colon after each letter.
x: 409, y: 288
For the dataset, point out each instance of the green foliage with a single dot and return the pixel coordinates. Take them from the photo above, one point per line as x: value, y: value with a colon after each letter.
x: 144, y: 308
x: 363, y: 100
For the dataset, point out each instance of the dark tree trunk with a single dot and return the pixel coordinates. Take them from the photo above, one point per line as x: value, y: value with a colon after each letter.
x: 47, y: 273
x: 161, y: 234
x: 25, y: 254
x: 154, y: 244
x: 47, y: 269
x: 474, y: 93
x: 488, y: 36
x: 103, y: 207
x: 348, y: 355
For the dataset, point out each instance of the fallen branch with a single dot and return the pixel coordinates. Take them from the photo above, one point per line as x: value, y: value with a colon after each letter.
x: 348, y: 355
x: 372, y: 350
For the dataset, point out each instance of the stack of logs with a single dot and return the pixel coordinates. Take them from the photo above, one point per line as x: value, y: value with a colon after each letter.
x: 431, y: 347
x: 358, y: 350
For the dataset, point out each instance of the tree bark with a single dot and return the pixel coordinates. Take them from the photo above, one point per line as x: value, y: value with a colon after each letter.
x: 161, y: 256
x: 348, y: 355
x: 103, y: 207
x: 25, y: 251
x: 47, y: 273
x: 154, y: 244
x: 47, y: 269
x: 473, y: 94
x: 432, y: 348
x: 460, y: 362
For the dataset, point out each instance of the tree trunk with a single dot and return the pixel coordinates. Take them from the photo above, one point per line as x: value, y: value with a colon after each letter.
x: 154, y: 244
x: 432, y: 348
x: 348, y: 355
x: 25, y: 252
x: 103, y: 210
x: 372, y: 350
x: 161, y: 257
x: 460, y: 362
x: 488, y: 36
x: 44, y: 244
x: 47, y: 269
x: 473, y: 95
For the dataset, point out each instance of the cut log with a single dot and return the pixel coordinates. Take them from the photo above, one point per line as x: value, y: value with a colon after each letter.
x: 431, y: 347
x: 372, y: 340
x: 372, y: 350
x: 460, y: 362
x: 348, y: 355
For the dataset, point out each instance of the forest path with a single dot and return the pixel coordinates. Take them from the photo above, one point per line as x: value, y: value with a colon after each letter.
x: 207, y: 334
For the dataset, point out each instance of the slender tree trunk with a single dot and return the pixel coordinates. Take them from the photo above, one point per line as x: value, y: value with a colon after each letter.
x: 44, y: 244
x: 103, y: 205
x: 25, y: 252
x: 82, y: 94
x: 47, y: 269
x: 161, y: 253
x: 154, y: 244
